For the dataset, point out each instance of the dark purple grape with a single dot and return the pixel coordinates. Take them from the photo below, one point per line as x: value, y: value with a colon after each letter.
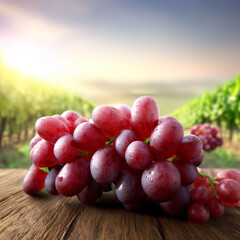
x: 198, y: 213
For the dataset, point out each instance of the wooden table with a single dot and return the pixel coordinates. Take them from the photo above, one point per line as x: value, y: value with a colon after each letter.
x: 49, y: 217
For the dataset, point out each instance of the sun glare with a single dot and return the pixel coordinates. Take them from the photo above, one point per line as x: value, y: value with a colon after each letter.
x: 27, y: 59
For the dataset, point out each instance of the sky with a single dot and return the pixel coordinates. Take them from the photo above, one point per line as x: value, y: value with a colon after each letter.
x: 121, y: 41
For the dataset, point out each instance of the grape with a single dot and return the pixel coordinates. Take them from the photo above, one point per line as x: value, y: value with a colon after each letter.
x: 89, y: 137
x: 166, y: 139
x: 34, y: 180
x: 228, y: 190
x: 187, y: 171
x: 105, y: 165
x: 91, y: 193
x: 144, y: 116
x: 66, y: 149
x: 161, y: 181
x: 34, y: 141
x: 198, y: 160
x: 50, y: 180
x: 42, y: 154
x: 122, y: 141
x: 108, y: 119
x: 71, y: 116
x: 190, y: 148
x: 50, y: 128
x: 124, y: 109
x: 198, y: 213
x: 138, y: 155
x: 178, y: 204
x: 202, y: 181
x: 65, y: 121
x: 200, y: 194
x: 128, y: 185
x: 79, y: 121
x: 215, y: 206
x: 165, y: 118
x: 73, y: 177
x: 229, y: 174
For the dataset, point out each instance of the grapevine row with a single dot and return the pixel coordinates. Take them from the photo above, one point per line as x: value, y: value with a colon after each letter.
x: 221, y: 107
x: 23, y: 100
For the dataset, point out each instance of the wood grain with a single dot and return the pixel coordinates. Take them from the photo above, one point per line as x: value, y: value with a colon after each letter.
x: 48, y: 217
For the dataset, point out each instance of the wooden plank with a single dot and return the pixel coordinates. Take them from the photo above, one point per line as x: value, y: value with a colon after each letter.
x: 49, y: 217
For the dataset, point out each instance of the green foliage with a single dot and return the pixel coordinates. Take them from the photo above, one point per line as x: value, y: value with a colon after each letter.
x: 221, y: 107
x: 23, y: 100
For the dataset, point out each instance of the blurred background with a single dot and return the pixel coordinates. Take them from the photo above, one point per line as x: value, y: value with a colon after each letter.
x: 62, y: 55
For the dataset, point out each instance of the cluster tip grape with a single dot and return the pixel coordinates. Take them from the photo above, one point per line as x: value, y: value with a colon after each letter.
x: 132, y: 151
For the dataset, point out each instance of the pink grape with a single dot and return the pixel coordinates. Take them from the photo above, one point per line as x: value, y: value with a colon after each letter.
x: 166, y: 139
x: 190, y: 148
x: 105, y: 165
x: 161, y: 181
x: 65, y: 121
x: 144, y: 116
x: 66, y: 148
x: 124, y: 109
x: 138, y: 155
x: 108, y: 119
x: 42, y: 154
x: 71, y: 116
x: 122, y: 141
x: 34, y: 180
x: 89, y: 137
x: 198, y: 213
x: 79, y: 121
x: 73, y: 177
x: 34, y: 141
x: 229, y: 174
x: 50, y: 128
x: 128, y: 185
x: 165, y: 118
x: 228, y: 190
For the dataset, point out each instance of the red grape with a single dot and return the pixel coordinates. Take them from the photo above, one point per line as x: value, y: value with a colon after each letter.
x: 228, y: 190
x: 34, y: 180
x: 73, y: 177
x: 200, y: 194
x: 161, y: 181
x: 166, y: 139
x: 105, y: 165
x: 215, y: 206
x: 138, y: 155
x: 229, y: 174
x: 50, y: 128
x: 89, y: 137
x: 198, y: 213
x: 34, y: 141
x: 66, y: 149
x: 123, y: 140
x: 42, y: 154
x: 178, y: 204
x: 144, y: 116
x: 128, y: 185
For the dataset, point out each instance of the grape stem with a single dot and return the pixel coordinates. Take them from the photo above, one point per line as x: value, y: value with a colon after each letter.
x: 211, y: 181
x: 45, y: 169
x: 147, y: 140
x: 110, y: 142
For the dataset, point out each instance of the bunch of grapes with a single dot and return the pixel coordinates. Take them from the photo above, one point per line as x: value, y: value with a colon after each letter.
x: 134, y: 152
x: 208, y: 135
